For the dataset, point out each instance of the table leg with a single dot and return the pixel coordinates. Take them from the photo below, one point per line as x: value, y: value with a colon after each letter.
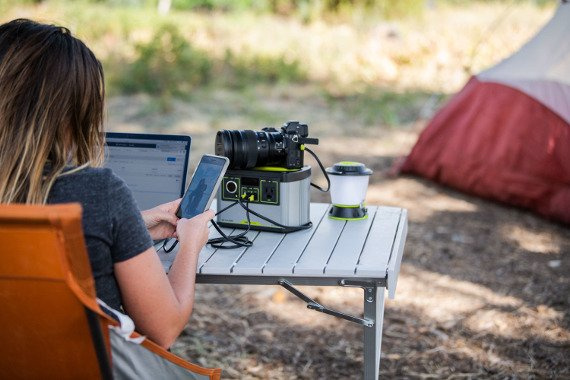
x: 373, y: 310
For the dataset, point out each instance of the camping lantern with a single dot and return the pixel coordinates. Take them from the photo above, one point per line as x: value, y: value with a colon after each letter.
x: 349, y: 182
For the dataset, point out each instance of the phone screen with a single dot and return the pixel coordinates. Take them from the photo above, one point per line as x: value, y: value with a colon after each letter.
x: 203, y: 184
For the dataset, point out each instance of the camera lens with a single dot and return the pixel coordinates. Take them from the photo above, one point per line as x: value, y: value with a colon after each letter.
x: 247, y: 149
x: 239, y: 146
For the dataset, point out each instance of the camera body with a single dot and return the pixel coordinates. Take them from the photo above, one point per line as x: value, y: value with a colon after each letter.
x: 249, y: 149
x: 294, y: 135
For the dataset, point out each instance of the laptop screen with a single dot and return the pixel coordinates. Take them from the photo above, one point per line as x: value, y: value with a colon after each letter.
x: 153, y: 166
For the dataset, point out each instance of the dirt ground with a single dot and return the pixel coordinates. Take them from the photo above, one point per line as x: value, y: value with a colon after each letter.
x: 483, y: 290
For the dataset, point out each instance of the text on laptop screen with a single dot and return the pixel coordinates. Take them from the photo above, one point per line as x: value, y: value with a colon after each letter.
x: 153, y: 167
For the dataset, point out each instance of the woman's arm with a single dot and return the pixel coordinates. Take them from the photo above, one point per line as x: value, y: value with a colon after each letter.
x: 161, y: 305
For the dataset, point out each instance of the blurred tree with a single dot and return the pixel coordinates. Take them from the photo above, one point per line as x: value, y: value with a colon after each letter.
x: 166, y: 66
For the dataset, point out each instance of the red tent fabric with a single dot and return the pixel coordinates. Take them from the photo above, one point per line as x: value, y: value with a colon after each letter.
x: 497, y: 142
x: 506, y: 135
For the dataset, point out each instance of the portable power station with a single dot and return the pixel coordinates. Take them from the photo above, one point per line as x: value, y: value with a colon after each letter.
x: 279, y: 194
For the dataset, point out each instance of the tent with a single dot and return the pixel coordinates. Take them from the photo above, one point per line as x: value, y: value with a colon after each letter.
x: 506, y: 135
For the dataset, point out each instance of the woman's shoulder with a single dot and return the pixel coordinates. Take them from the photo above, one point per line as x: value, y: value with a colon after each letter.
x: 88, y: 172
x: 90, y: 181
x: 93, y: 176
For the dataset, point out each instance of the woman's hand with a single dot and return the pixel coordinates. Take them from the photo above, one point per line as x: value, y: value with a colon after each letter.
x: 161, y: 220
x: 193, y: 233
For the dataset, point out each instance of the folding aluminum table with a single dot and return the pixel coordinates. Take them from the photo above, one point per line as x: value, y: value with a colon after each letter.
x: 365, y: 253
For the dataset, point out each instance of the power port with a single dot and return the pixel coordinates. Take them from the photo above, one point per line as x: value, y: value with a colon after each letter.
x: 250, y: 194
x: 269, y: 192
x: 231, y: 187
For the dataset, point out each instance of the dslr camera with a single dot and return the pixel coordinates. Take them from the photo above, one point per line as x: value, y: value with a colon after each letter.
x: 248, y: 149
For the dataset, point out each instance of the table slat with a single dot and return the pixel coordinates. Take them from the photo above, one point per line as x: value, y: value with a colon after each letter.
x: 222, y: 261
x: 208, y: 250
x: 378, y: 247
x: 254, y: 259
x: 349, y: 247
x: 317, y: 253
x: 286, y: 255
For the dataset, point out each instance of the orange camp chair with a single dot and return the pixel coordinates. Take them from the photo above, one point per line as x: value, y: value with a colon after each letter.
x: 51, y: 325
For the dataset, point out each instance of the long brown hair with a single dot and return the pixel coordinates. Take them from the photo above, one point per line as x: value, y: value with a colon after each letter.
x: 51, y: 108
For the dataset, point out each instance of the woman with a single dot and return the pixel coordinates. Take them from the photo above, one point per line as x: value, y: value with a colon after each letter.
x: 51, y: 142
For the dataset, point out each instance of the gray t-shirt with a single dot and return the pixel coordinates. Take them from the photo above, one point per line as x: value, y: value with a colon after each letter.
x: 112, y: 224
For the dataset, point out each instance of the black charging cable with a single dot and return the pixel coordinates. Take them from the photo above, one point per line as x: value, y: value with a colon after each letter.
x: 169, y: 249
x: 324, y: 172
x: 240, y: 240
x: 284, y: 229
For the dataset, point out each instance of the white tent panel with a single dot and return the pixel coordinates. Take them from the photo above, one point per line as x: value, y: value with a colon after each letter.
x: 541, y: 68
x: 554, y: 95
x: 544, y: 57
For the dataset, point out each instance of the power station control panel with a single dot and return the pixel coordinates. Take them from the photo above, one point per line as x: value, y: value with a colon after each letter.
x: 255, y: 190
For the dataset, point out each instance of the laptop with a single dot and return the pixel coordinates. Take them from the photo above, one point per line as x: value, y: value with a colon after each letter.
x: 153, y: 166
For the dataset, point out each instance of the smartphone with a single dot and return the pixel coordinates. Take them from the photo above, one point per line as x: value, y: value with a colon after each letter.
x: 203, y: 186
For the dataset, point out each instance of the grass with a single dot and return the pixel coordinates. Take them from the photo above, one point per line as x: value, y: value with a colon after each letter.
x: 385, y: 107
x: 376, y: 70
x: 243, y: 70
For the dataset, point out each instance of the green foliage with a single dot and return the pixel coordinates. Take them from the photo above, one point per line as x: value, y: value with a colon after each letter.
x: 166, y: 66
x: 399, y: 8
x: 6, y: 4
x: 465, y: 2
x: 244, y: 70
x: 307, y: 9
x: 316, y: 9
x: 220, y: 5
x: 374, y: 106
